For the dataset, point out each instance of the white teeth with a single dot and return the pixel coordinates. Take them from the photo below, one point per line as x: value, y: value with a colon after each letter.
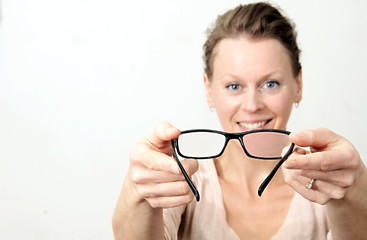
x: 253, y: 125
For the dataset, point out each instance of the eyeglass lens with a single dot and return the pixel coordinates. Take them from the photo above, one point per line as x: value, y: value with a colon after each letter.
x: 200, y: 144
x: 266, y: 144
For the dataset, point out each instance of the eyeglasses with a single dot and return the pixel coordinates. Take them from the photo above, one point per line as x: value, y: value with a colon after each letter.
x: 265, y: 144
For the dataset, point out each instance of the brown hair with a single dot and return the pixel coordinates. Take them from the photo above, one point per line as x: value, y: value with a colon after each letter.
x: 257, y: 20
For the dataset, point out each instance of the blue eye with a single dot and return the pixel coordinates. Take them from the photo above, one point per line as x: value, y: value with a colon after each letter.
x: 233, y: 87
x: 270, y: 84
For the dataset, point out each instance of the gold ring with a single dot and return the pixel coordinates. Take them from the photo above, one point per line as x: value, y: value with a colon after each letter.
x: 309, y: 184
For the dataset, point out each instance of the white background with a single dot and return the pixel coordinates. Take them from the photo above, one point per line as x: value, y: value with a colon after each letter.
x: 82, y: 80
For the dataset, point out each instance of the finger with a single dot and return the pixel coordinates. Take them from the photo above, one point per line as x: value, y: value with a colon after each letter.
x: 298, y: 183
x: 323, y: 161
x: 319, y: 138
x: 143, y: 175
x: 321, y: 191
x: 342, y: 178
x: 170, y: 202
x: 161, y: 136
x: 165, y: 189
x: 331, y: 191
x: 315, y: 194
x: 292, y: 160
x: 160, y: 162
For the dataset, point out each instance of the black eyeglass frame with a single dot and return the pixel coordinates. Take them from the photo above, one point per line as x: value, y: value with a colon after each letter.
x: 228, y: 137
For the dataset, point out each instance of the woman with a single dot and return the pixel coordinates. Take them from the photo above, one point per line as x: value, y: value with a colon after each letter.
x: 252, y: 78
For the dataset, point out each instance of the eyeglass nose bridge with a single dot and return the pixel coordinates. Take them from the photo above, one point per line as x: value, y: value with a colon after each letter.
x: 239, y: 137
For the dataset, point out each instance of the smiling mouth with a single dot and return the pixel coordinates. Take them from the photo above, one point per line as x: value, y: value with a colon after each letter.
x: 252, y: 126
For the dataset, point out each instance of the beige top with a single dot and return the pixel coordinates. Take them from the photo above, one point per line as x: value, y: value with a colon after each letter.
x: 207, y: 219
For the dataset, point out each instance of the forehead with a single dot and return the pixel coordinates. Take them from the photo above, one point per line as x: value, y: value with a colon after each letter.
x: 243, y: 54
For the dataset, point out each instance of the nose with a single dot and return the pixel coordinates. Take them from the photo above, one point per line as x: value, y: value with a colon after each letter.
x: 253, y: 101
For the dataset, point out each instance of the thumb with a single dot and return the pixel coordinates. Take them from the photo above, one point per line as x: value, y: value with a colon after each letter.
x: 319, y: 138
x: 162, y: 135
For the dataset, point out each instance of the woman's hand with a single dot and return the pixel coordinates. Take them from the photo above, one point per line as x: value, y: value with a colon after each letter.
x: 155, y: 174
x: 333, y: 162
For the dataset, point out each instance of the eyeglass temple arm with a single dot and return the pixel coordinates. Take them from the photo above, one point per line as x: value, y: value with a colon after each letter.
x: 187, y: 178
x: 275, y: 169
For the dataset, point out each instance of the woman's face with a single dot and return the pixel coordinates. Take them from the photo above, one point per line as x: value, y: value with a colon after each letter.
x: 252, y: 84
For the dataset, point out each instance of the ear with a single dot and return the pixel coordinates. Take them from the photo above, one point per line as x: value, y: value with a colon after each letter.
x: 208, y: 90
x: 299, y: 86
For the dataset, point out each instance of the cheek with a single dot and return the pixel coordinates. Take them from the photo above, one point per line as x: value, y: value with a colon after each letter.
x: 281, y: 105
x: 226, y: 107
